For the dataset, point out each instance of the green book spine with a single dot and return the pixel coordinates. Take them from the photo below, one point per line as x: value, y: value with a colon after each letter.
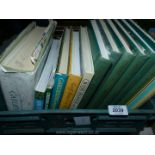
x: 106, y: 85
x: 101, y: 67
x: 118, y: 69
x: 148, y: 72
x: 127, y: 76
x: 134, y: 67
x: 123, y: 97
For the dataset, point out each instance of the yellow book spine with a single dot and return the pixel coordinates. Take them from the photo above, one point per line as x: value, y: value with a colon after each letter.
x: 70, y: 91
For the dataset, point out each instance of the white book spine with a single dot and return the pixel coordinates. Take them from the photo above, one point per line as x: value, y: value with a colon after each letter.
x: 81, y: 90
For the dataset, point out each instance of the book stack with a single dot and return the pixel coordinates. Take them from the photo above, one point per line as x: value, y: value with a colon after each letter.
x: 107, y: 62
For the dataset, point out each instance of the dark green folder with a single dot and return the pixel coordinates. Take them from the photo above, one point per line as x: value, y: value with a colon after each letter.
x: 134, y: 67
x: 101, y: 66
x: 120, y: 67
x: 146, y: 73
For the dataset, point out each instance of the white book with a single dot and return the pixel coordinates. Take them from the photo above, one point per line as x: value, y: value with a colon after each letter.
x: 18, y: 83
x: 87, y: 67
x: 49, y: 68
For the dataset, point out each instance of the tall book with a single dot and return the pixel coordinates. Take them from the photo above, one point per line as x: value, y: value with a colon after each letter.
x: 101, y: 62
x: 61, y: 75
x: 112, y: 49
x: 133, y: 68
x: 87, y: 67
x: 74, y: 73
x: 40, y: 90
x: 147, y: 71
x: 22, y: 63
x: 118, y: 70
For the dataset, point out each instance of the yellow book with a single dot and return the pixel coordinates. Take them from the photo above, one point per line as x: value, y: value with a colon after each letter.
x: 74, y: 74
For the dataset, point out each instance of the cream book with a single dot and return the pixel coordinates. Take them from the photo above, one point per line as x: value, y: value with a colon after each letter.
x: 22, y: 63
x: 74, y: 73
x: 87, y: 67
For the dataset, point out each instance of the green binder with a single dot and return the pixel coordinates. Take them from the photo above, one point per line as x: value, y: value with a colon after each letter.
x: 146, y: 73
x: 107, y: 84
x: 134, y: 67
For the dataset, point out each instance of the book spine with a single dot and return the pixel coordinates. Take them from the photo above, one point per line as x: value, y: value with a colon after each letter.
x: 107, y: 84
x: 47, y: 98
x: 101, y: 67
x: 142, y: 96
x: 135, y: 66
x: 58, y: 89
x: 144, y: 75
x: 70, y: 91
x: 81, y: 90
x: 39, y: 101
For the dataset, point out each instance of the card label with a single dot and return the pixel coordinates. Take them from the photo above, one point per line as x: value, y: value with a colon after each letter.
x: 83, y: 120
x: 118, y: 110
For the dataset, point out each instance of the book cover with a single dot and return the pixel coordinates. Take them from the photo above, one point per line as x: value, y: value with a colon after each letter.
x: 61, y: 75
x: 147, y: 70
x: 142, y: 96
x: 39, y: 101
x: 87, y: 67
x: 74, y: 76
x: 16, y: 83
x: 134, y: 67
x: 118, y: 70
x: 58, y: 90
x: 49, y: 91
x: 101, y: 65
x: 70, y: 91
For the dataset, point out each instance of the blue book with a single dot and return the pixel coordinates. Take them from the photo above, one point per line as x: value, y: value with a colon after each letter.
x: 39, y: 104
x: 58, y: 89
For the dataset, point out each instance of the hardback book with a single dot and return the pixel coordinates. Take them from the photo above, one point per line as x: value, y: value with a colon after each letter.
x: 61, y: 75
x: 147, y: 71
x: 22, y: 63
x: 40, y: 90
x: 118, y: 70
x: 101, y: 61
x: 133, y: 68
x: 87, y: 67
x: 74, y: 73
x: 111, y: 48
x: 146, y: 93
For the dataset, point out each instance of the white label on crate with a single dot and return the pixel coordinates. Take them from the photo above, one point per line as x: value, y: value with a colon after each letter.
x: 119, y: 110
x: 83, y: 120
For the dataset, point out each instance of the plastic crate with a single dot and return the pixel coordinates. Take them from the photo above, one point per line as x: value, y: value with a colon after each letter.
x: 62, y: 121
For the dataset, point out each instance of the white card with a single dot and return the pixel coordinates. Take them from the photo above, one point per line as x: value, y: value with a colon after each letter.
x: 83, y: 120
x: 119, y: 110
